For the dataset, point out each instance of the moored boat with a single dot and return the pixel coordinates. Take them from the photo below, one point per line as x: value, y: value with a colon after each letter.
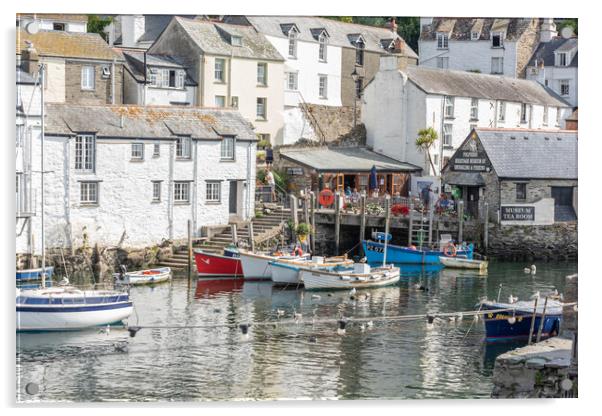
x: 514, y: 321
x: 361, y: 276
x: 374, y: 252
x: 69, y: 308
x: 215, y: 265
x: 286, y: 272
x: 34, y: 274
x: 257, y: 265
x: 143, y: 277
x: 462, y: 263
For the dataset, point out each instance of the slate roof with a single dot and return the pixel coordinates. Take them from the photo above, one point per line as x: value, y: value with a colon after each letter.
x: 531, y: 154
x: 345, y: 159
x: 460, y: 28
x: 135, y: 64
x: 146, y: 122
x: 210, y: 38
x: 338, y: 32
x: 493, y: 87
x: 67, y: 45
x: 545, y: 51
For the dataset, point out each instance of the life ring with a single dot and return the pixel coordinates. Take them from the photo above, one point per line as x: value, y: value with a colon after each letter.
x: 450, y: 250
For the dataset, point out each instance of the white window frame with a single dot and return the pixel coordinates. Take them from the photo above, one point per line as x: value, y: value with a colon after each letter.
x: 449, y: 107
x: 442, y: 41
x: 292, y: 81
x: 181, y: 192
x: 443, y: 62
x: 234, y: 101
x: 500, y: 65
x: 523, y: 113
x: 219, y: 70
x: 88, y: 77
x: 502, y: 112
x: 220, y: 101
x: 180, y: 79
x: 236, y: 40
x: 184, y: 148
x: 474, y: 108
x: 447, y: 134
x: 292, y: 43
x: 263, y: 115
x: 501, y: 37
x: 562, y: 56
x: 156, y: 191
x: 262, y: 74
x: 85, y: 153
x: 153, y: 76
x: 156, y: 149
x: 227, y: 148
x: 323, y: 86
x: 562, y: 84
x: 322, y: 48
x: 137, y: 151
x: 88, y: 192
x: 545, y: 115
x: 213, y: 192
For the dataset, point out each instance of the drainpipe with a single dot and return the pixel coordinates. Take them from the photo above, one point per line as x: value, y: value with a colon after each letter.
x: 442, y: 131
x: 201, y: 83
x: 495, y: 115
x: 145, y: 81
x: 229, y: 86
x: 113, y: 81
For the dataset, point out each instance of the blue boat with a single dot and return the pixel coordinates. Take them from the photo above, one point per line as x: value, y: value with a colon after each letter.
x: 34, y: 274
x: 515, y: 322
x: 374, y: 250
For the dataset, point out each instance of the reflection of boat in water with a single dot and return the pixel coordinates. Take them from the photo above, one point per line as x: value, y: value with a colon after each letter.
x: 211, y: 287
x: 53, y: 342
x: 410, y: 270
x: 466, y: 264
x: 454, y: 273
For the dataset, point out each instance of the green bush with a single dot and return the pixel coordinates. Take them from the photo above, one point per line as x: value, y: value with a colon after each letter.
x: 303, y: 229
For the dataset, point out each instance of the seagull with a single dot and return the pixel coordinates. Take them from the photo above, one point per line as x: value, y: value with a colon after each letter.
x: 106, y: 330
x: 317, y: 297
x: 369, y: 324
x: 533, y: 269
x: 362, y: 327
x: 352, y: 292
x: 512, y: 299
x: 64, y: 281
x: 451, y: 318
x: 280, y: 312
x: 535, y: 295
x: 121, y: 347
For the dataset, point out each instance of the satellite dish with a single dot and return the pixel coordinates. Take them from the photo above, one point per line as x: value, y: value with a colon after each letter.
x: 32, y: 27
x: 566, y: 32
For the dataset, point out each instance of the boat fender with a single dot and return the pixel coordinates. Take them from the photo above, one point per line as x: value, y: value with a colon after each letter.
x: 132, y: 330
x: 450, y: 250
x: 342, y: 325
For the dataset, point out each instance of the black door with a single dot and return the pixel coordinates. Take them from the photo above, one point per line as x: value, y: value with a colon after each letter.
x: 472, y: 201
x: 233, y: 203
x: 563, y: 195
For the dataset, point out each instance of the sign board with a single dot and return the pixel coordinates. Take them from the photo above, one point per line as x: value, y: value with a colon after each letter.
x: 294, y: 171
x: 518, y: 213
x: 470, y: 158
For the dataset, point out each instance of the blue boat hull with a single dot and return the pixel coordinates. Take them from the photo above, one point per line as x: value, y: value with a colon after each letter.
x: 34, y: 274
x: 396, y: 254
x: 497, y: 327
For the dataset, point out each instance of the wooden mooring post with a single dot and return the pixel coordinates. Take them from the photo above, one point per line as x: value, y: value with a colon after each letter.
x: 312, y: 209
x: 486, y: 228
x: 387, y: 217
x: 430, y: 237
x: 189, y: 250
x: 533, y: 322
x: 337, y: 222
x: 251, y: 237
x: 411, y: 224
x: 234, y: 229
x: 294, y: 216
x: 460, y: 221
x: 542, y: 319
x: 362, y: 221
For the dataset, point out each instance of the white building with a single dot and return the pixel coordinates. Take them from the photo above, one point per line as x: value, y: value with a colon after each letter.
x: 76, y: 23
x: 137, y: 30
x: 132, y: 176
x: 400, y: 102
x: 555, y: 65
x: 501, y: 46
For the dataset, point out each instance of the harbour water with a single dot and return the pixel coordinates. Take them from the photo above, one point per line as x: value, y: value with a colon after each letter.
x: 283, y: 360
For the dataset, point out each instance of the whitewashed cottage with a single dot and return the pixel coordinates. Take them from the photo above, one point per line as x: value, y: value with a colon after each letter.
x: 401, y: 101
x: 76, y: 23
x: 133, y: 176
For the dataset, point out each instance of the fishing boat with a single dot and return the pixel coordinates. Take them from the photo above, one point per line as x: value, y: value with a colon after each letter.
x: 34, y: 274
x: 257, y: 265
x: 68, y: 308
x: 286, y: 272
x: 361, y: 276
x: 215, y: 265
x: 462, y: 263
x: 514, y: 321
x: 143, y: 277
x: 410, y: 255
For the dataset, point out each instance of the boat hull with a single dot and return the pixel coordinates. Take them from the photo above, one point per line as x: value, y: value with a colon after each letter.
x: 460, y: 263
x: 285, y: 274
x: 374, y: 252
x: 497, y: 327
x: 144, y: 277
x: 257, y: 266
x: 321, y: 280
x: 34, y: 274
x: 214, y: 265
x: 71, y: 318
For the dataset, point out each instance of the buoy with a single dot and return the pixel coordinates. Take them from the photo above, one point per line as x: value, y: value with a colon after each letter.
x: 362, y: 327
x: 566, y: 384
x: 511, y: 320
x: 132, y: 330
x: 342, y: 325
x: 476, y: 317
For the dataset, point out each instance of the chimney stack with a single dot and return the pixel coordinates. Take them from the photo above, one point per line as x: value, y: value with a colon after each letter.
x: 392, y: 25
x: 399, y: 45
x: 548, y: 30
x: 30, y: 59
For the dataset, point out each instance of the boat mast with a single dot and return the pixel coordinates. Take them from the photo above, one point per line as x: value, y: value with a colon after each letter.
x: 387, y: 214
x: 42, y: 75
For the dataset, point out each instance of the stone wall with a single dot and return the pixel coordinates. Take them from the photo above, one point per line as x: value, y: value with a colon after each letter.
x: 101, y: 94
x: 541, y: 242
x: 525, y: 47
x: 332, y: 122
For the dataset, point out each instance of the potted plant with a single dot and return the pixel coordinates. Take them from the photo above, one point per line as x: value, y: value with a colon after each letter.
x: 303, y: 230
x: 399, y: 209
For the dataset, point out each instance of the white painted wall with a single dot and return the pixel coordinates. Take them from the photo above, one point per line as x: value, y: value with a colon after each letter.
x: 544, y: 212
x: 297, y: 126
x: 553, y: 75
x: 465, y: 55
x: 47, y: 24
x: 167, y: 96
x: 55, y: 80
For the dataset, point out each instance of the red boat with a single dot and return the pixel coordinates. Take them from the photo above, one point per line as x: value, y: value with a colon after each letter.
x: 208, y: 264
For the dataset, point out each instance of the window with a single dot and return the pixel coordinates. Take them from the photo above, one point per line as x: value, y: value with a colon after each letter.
x: 323, y: 49
x: 227, y: 151
x: 292, y: 43
x: 545, y: 116
x: 261, y: 108
x: 180, y: 78
x: 449, y: 107
x: 447, y: 134
x: 497, y: 65
x: 523, y: 113
x: 85, y: 147
x: 236, y: 40
x: 87, y: 77
x: 442, y: 40
x: 474, y: 35
x: 157, y: 150
x: 474, y: 109
x: 557, y: 116
x: 562, y: 59
x: 137, y: 151
x: 292, y: 79
x: 181, y: 192
x: 262, y: 74
x: 220, y: 101
x: 359, y: 52
x: 152, y: 77
x: 359, y: 85
x: 156, y: 191
x: 443, y: 62
x: 521, y: 191
x: 564, y: 87
x: 502, y: 111
x: 166, y: 78
x: 58, y: 26
x: 88, y: 193
x: 213, y: 192
x: 234, y: 102
x: 497, y: 40
x: 219, y: 69
x: 323, y: 86
x: 183, y: 146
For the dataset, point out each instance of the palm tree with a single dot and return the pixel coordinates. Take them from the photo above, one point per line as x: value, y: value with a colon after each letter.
x: 425, y: 140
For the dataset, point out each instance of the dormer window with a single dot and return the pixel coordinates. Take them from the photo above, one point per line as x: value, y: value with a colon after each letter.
x: 497, y: 40
x: 359, y: 52
x: 58, y: 26
x: 323, y: 49
x: 474, y: 35
x: 562, y: 59
x: 236, y: 41
x: 442, y: 40
x: 292, y: 42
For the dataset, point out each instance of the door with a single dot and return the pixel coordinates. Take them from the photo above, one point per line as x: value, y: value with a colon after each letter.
x: 233, y: 200
x: 472, y: 201
x: 563, y: 203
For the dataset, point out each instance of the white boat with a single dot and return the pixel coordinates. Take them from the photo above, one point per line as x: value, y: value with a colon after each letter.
x: 257, y: 265
x: 69, y: 308
x: 143, y: 277
x: 286, y: 272
x: 360, y: 277
x: 463, y: 263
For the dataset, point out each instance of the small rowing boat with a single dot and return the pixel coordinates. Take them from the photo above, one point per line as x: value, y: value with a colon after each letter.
x: 361, y: 276
x: 462, y: 263
x: 286, y: 272
x: 143, y: 277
